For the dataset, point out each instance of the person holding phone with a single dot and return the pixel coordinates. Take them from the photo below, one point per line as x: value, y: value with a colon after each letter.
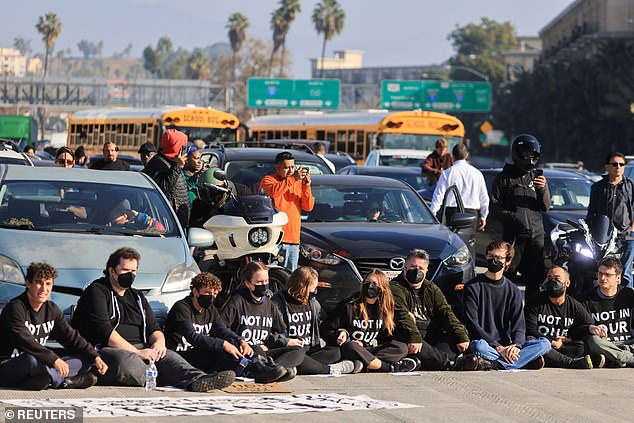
x: 166, y: 169
x: 519, y: 196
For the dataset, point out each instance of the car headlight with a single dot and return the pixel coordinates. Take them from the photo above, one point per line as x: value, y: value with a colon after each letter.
x: 10, y: 271
x: 320, y: 256
x: 459, y: 258
x: 584, y: 251
x: 179, y: 278
x: 258, y: 237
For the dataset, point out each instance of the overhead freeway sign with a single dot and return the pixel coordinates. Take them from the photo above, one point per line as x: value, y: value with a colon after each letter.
x: 441, y: 96
x: 279, y: 93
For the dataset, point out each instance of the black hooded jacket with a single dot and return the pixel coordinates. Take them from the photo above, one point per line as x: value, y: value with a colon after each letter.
x: 169, y: 177
x: 518, y: 204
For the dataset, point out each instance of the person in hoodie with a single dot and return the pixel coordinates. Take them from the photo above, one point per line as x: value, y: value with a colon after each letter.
x: 254, y: 317
x: 27, y: 322
x: 302, y: 314
x: 612, y: 308
x: 562, y: 320
x: 166, y: 169
x: 119, y: 320
x: 519, y: 196
x: 362, y: 328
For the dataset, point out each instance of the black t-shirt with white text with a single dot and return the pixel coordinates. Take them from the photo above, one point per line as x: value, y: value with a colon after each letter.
x: 347, y: 316
x: 299, y: 320
x: 548, y: 320
x: 614, y: 313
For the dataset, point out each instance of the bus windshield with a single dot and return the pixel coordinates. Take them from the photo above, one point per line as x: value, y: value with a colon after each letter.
x: 414, y: 141
x: 208, y: 134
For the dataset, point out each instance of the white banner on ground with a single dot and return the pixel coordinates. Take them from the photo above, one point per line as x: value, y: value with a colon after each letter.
x: 210, y: 405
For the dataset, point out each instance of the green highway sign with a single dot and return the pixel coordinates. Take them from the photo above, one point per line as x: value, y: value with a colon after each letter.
x: 293, y: 93
x: 441, y: 96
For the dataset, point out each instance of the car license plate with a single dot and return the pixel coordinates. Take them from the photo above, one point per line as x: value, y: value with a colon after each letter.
x: 391, y: 274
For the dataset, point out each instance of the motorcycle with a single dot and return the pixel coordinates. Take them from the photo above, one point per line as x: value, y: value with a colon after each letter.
x: 249, y: 229
x: 580, y: 249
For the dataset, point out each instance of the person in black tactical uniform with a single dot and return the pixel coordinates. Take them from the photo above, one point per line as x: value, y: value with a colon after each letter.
x: 518, y: 198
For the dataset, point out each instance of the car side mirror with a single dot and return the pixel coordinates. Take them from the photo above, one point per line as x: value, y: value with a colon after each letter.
x: 200, y: 238
x: 463, y: 221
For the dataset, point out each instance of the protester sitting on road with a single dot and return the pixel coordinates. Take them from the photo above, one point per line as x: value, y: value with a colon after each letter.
x: 195, y: 330
x: 123, y: 214
x: 495, y: 319
x: 561, y: 319
x: 426, y: 322
x: 27, y: 322
x: 302, y: 314
x: 253, y: 316
x: 110, y: 160
x: 363, y: 327
x: 118, y: 319
x: 146, y: 152
x: 612, y: 308
x: 64, y: 157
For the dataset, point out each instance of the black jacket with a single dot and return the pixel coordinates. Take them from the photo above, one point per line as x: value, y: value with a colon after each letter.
x: 518, y: 204
x: 613, y: 201
x: 281, y: 301
x: 169, y: 177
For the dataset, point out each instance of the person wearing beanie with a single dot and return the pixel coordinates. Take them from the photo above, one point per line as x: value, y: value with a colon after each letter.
x: 80, y: 156
x: 166, y: 169
x: 146, y: 152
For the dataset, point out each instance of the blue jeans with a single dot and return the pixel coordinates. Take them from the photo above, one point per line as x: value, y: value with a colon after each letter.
x: 530, y: 350
x: 290, y: 252
x: 626, y: 260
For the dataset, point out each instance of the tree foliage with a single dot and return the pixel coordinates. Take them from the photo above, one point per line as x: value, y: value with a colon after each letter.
x: 328, y: 18
x: 237, y: 25
x: 50, y: 27
x: 281, y: 20
x: 22, y: 45
x: 155, y: 58
x: 90, y: 49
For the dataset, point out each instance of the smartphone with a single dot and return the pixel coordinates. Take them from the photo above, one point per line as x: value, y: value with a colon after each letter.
x: 183, y: 151
x: 538, y: 172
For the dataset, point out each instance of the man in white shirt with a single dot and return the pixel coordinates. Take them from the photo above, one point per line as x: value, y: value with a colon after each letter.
x: 320, y: 149
x: 471, y: 186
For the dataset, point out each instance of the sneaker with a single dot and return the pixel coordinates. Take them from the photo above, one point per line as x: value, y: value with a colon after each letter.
x: 584, y: 362
x: 213, y: 381
x: 465, y: 362
x: 263, y: 372
x: 484, y: 364
x: 405, y: 365
x: 36, y: 383
x: 535, y: 364
x: 344, y: 367
x: 358, y: 366
x: 598, y: 361
x: 80, y: 381
x: 290, y: 374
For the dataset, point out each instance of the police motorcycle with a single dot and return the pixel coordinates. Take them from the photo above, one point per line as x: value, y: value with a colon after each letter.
x: 245, y: 227
x: 580, y: 249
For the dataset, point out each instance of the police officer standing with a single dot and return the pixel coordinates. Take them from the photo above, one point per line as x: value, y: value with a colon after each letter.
x: 519, y: 196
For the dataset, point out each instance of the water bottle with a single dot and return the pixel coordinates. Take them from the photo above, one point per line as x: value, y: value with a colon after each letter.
x: 150, y: 376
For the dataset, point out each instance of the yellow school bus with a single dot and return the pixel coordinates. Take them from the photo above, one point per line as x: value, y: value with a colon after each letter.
x: 360, y: 132
x: 129, y: 128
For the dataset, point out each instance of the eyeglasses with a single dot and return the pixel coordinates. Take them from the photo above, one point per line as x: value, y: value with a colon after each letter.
x: 501, y: 258
x: 62, y: 161
x: 607, y: 275
x: 617, y: 164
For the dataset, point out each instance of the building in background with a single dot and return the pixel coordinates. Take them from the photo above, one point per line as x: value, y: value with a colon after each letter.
x: 12, y: 62
x: 522, y: 59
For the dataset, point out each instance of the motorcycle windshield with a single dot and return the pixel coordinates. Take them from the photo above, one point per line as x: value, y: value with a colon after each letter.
x: 255, y: 209
x: 601, y: 229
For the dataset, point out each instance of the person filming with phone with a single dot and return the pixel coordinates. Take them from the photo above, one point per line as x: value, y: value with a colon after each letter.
x: 166, y: 169
x: 290, y: 191
x: 518, y: 198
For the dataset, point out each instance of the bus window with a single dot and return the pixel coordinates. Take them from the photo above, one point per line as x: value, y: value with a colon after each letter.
x: 352, y: 144
x: 294, y: 135
x: 284, y: 134
x: 361, y: 148
x: 372, y: 141
x: 101, y: 134
x: 330, y: 136
x: 302, y: 135
x: 321, y: 135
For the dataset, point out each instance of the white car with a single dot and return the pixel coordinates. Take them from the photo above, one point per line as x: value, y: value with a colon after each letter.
x: 396, y: 157
x: 8, y: 155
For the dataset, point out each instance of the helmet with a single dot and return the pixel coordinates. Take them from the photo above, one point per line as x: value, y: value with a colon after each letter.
x: 210, y: 178
x: 522, y: 146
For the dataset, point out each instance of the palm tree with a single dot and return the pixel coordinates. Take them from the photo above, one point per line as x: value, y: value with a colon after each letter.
x: 50, y: 27
x: 198, y: 65
x: 237, y: 26
x: 281, y: 20
x: 328, y: 18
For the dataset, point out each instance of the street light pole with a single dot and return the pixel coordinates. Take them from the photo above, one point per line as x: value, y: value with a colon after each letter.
x: 468, y: 69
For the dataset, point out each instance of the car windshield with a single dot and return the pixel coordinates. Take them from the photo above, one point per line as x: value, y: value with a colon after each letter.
x: 415, y: 141
x: 10, y: 160
x: 367, y: 204
x: 569, y: 194
x: 418, y: 182
x: 251, y: 172
x: 399, y: 160
x: 81, y: 207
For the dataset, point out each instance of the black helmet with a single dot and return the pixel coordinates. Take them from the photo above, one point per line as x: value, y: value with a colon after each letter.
x: 522, y: 145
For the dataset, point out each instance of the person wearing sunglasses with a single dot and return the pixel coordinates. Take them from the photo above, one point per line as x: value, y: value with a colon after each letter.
x: 64, y: 157
x: 613, y: 196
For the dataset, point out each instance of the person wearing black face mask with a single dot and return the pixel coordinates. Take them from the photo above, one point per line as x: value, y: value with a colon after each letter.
x: 495, y: 319
x: 302, y: 315
x: 118, y: 318
x: 560, y: 319
x: 254, y: 317
x: 362, y: 328
x: 434, y: 336
x: 519, y: 196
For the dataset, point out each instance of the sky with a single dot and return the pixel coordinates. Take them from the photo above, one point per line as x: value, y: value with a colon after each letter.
x: 393, y: 32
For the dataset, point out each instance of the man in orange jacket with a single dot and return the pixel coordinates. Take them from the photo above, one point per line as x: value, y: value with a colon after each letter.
x: 291, y: 194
